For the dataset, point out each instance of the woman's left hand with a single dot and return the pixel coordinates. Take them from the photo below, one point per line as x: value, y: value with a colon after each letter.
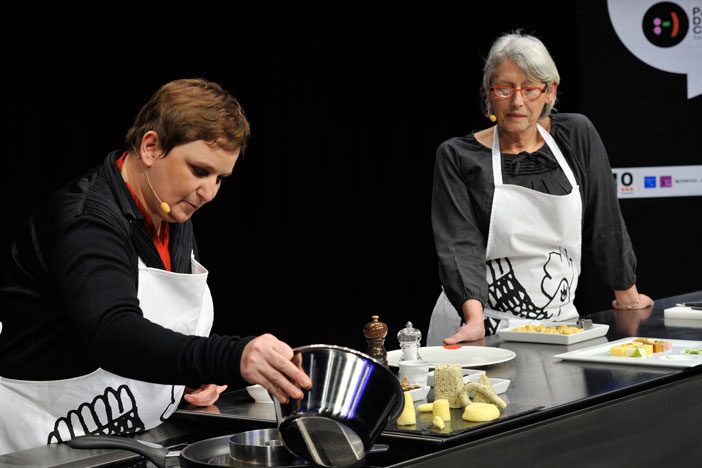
x: 206, y: 395
x: 631, y: 299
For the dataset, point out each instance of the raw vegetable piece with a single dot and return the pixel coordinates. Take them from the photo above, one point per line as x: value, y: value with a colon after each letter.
x: 480, y: 412
x: 408, y: 416
x: 441, y: 409
x: 425, y: 408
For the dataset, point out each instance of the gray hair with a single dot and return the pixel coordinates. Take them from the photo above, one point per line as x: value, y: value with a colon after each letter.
x: 530, y: 54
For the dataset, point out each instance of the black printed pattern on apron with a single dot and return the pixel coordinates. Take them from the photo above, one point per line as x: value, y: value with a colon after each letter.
x: 107, y: 414
x: 506, y: 293
x: 491, y: 325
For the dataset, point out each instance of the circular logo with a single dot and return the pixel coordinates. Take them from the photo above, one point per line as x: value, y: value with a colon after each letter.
x: 665, y: 24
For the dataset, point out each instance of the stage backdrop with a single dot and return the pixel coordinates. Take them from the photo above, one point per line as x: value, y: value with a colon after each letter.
x: 641, y: 84
x: 325, y: 221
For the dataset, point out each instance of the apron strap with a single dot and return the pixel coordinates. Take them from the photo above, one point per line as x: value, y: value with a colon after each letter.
x: 557, y: 153
x: 496, y: 159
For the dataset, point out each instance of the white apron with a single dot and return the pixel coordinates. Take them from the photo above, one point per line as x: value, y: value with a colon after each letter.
x: 34, y: 413
x: 533, y: 255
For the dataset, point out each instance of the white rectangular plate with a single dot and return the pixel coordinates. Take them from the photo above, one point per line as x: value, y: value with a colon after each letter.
x: 682, y: 313
x: 674, y: 358
x: 596, y: 331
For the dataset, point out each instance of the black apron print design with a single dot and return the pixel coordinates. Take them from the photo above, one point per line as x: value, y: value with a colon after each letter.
x: 166, y: 412
x: 114, y: 412
x: 506, y: 293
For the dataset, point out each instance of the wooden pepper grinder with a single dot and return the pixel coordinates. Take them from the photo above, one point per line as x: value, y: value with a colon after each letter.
x: 375, y: 332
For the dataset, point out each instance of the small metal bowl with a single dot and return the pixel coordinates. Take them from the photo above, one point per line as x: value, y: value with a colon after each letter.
x: 261, y: 447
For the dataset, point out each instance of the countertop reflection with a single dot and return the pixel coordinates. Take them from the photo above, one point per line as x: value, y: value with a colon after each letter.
x: 538, y: 378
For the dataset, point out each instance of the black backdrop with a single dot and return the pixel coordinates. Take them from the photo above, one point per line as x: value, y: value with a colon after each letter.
x: 326, y: 219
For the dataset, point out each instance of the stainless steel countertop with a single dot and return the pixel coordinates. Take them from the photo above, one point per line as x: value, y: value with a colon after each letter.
x: 537, y: 379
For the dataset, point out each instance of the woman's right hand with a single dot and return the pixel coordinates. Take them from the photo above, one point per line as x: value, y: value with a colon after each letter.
x: 474, y: 329
x: 269, y: 362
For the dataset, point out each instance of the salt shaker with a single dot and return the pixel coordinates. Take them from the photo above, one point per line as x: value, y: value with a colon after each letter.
x: 375, y: 332
x: 410, y: 340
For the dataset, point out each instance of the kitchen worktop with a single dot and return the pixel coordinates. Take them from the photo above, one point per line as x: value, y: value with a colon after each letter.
x: 570, y: 399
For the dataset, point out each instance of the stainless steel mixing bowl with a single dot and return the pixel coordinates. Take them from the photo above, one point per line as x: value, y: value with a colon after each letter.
x: 351, y: 400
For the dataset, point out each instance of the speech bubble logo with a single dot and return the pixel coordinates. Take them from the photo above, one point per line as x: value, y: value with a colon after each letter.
x: 664, y: 35
x: 665, y: 24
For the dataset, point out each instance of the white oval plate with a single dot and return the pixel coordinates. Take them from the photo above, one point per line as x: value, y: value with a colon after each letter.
x: 466, y: 356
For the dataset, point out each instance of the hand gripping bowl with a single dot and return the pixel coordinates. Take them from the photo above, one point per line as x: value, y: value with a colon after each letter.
x: 352, y: 398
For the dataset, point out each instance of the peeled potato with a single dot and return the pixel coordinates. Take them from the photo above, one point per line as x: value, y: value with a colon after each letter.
x: 408, y: 416
x: 425, y: 408
x: 481, y: 412
x: 441, y: 409
x: 438, y: 422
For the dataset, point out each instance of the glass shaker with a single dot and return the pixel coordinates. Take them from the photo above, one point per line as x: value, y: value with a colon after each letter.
x: 410, y: 340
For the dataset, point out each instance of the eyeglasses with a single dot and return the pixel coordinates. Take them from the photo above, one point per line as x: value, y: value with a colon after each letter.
x: 506, y: 92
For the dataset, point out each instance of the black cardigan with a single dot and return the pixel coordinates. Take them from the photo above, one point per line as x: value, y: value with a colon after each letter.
x: 68, y: 299
x: 462, y: 202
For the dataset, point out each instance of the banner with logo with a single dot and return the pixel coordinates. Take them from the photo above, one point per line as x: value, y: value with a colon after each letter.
x: 665, y: 35
x: 649, y: 120
x: 654, y: 182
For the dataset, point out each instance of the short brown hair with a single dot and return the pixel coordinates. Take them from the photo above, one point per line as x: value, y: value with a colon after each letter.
x: 189, y: 110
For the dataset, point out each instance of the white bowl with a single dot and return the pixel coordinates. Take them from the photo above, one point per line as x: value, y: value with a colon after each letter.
x: 259, y: 394
x: 419, y: 393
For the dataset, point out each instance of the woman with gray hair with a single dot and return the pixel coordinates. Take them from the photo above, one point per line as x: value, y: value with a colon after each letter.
x: 513, y: 206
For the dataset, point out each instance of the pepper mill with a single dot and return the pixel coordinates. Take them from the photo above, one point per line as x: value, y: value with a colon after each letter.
x: 375, y: 332
x: 410, y: 340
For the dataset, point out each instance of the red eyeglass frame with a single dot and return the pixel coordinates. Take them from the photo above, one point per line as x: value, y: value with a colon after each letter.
x: 514, y: 90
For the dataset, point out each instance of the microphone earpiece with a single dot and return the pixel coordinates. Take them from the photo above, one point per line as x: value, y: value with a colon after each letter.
x: 165, y: 207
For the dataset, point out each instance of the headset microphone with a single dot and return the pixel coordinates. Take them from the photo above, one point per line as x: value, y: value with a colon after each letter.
x: 165, y: 207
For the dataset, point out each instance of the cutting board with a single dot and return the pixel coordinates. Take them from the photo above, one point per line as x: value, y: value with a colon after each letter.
x: 682, y: 313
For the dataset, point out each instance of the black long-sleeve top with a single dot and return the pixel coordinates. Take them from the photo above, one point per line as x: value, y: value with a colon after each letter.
x: 68, y: 299
x: 462, y: 199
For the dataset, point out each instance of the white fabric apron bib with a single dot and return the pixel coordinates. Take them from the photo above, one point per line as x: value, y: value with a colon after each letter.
x: 34, y: 413
x: 533, y: 255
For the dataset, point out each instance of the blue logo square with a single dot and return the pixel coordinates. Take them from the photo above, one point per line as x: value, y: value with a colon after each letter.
x: 650, y: 182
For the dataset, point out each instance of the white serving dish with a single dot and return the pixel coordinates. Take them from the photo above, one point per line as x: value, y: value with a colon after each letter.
x: 596, y: 331
x: 680, y: 312
x: 259, y: 394
x: 419, y: 393
x: 466, y: 356
x: 674, y: 358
